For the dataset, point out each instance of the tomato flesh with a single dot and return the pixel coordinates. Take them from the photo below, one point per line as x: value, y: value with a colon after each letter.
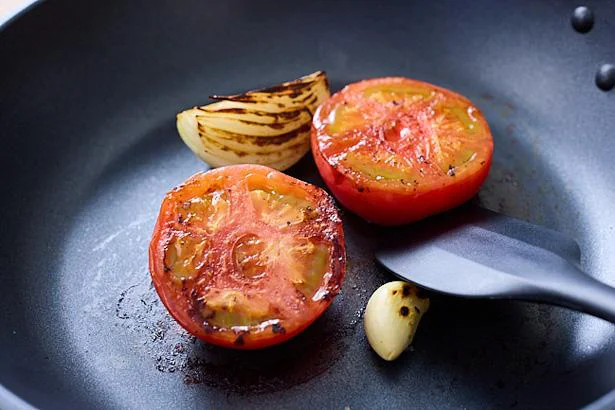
x: 395, y: 150
x: 247, y: 257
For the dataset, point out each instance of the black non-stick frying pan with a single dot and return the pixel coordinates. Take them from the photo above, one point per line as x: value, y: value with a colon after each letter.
x: 88, y: 147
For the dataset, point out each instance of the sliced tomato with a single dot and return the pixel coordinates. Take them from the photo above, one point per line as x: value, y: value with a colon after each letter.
x: 395, y: 150
x: 247, y: 257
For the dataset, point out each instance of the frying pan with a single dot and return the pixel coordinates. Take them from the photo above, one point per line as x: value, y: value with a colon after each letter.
x: 88, y: 147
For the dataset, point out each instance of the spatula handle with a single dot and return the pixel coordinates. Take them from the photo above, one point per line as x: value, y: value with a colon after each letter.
x: 584, y: 293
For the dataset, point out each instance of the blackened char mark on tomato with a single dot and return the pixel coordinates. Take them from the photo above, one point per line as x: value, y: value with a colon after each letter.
x: 195, y: 310
x: 338, y: 177
x: 337, y: 254
x: 184, y: 285
x: 239, y: 341
x: 329, y: 294
x: 278, y: 328
x: 300, y: 295
x: 333, y: 233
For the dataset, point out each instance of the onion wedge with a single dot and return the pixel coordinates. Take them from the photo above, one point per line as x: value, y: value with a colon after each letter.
x: 269, y: 127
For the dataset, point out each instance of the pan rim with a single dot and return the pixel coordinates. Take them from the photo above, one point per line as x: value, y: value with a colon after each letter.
x: 11, y: 401
x: 17, y: 12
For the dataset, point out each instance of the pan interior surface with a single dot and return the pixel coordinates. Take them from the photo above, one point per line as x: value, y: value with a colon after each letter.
x: 89, y: 148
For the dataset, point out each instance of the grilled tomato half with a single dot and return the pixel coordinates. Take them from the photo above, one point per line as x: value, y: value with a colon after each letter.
x: 247, y: 257
x: 395, y: 150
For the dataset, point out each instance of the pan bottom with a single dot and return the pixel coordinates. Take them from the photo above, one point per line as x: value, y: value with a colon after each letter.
x: 115, y: 328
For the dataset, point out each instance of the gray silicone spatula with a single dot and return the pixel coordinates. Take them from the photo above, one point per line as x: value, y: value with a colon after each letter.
x: 473, y: 252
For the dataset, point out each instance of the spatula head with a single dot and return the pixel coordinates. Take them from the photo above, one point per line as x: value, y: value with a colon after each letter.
x: 475, y: 252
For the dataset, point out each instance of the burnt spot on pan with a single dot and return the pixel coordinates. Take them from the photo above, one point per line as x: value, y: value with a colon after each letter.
x: 173, y: 350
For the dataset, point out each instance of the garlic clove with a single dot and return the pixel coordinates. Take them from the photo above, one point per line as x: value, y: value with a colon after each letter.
x: 392, y: 316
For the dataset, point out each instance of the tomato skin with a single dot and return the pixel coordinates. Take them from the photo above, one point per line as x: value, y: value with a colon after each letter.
x: 394, y: 208
x: 385, y: 205
x: 180, y: 302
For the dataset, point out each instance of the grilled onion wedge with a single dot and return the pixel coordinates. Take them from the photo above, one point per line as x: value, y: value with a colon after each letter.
x: 269, y: 127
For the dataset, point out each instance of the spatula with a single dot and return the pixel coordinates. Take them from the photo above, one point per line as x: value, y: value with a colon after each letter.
x: 473, y: 252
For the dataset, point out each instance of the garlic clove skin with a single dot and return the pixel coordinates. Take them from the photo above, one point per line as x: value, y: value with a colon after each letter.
x: 392, y: 316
